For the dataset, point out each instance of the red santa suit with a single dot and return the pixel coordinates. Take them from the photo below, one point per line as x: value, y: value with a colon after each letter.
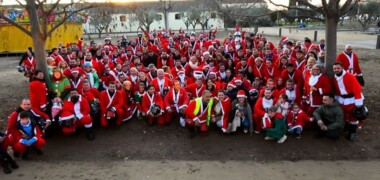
x: 260, y: 108
x: 294, y: 95
x: 29, y: 63
x: 296, y: 76
x: 348, y: 92
x: 79, y: 110
x: 297, y: 119
x: 129, y: 104
x: 271, y: 73
x: 160, y: 85
x: 36, y: 133
x: 58, y: 58
x: 225, y: 112
x: 194, y: 90
x: 38, y: 96
x: 77, y: 84
x: 314, y: 98
x: 299, y: 65
x: 147, y: 102
x: 13, y: 119
x: 102, y: 66
x: 175, y: 102
x: 200, y: 115
x: 108, y: 102
x: 350, y: 63
x: 259, y: 71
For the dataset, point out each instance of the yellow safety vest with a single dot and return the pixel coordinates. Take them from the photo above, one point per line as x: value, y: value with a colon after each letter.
x: 198, y: 102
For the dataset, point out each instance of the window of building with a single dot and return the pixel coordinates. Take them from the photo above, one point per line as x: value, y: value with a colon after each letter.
x: 213, y: 15
x: 177, y: 16
x: 123, y: 18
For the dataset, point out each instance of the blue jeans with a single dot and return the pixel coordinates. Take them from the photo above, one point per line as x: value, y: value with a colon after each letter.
x: 295, y: 130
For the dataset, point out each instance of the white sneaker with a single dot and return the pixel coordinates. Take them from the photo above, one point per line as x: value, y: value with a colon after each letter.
x: 282, y: 139
x: 267, y: 138
x: 182, y: 122
x: 245, y: 130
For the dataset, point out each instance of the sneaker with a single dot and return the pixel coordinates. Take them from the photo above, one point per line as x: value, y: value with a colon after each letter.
x: 257, y: 132
x: 282, y: 140
x: 182, y: 122
x: 245, y: 130
x: 298, y: 136
x: 267, y: 138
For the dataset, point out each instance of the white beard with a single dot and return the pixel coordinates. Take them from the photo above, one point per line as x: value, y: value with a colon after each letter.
x: 182, y: 77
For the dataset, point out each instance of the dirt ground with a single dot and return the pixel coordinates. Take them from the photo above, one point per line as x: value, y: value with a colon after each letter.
x: 121, y: 151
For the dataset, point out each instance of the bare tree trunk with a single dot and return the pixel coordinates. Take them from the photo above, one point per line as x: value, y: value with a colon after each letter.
x: 38, y: 39
x: 39, y: 52
x: 100, y: 33
x: 331, y: 48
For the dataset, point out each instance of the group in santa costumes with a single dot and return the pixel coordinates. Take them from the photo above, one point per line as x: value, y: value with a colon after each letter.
x: 198, y: 67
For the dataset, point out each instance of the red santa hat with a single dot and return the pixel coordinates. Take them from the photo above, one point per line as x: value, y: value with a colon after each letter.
x: 232, y: 84
x: 241, y: 93
x: 213, y: 71
x: 237, y: 80
x: 205, y: 66
x: 198, y: 70
x: 129, y: 48
x: 139, y: 48
x: 284, y: 39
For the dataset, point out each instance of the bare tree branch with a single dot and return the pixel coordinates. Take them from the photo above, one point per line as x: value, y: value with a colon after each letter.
x: 10, y: 21
x: 66, y: 18
x: 19, y: 2
x: 55, y: 5
x: 347, y: 6
x: 306, y: 3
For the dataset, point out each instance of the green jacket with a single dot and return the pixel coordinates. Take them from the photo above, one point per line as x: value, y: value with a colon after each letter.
x: 332, y: 116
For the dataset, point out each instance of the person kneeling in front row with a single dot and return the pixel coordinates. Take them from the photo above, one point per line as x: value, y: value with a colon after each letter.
x: 274, y: 125
x: 329, y: 118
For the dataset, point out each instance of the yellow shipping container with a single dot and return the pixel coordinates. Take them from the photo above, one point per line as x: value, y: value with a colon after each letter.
x: 13, y: 40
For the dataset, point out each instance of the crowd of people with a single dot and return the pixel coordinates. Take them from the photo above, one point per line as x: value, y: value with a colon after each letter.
x: 244, y: 83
